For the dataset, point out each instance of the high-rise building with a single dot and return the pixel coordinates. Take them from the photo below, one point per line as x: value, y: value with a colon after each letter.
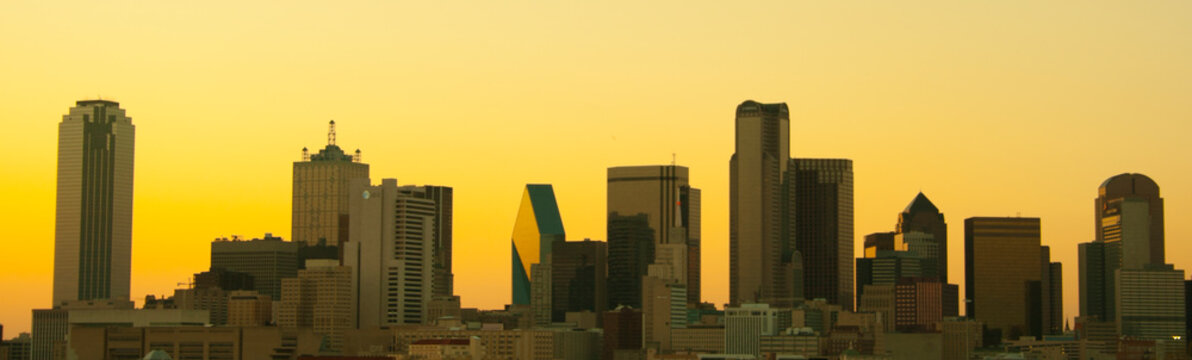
x: 630, y: 252
x: 922, y: 217
x: 822, y: 226
x: 745, y: 325
x: 664, y: 307
x: 1005, y: 273
x: 321, y: 191
x: 578, y: 274
x: 444, y: 198
x: 1128, y: 214
x: 390, y: 253
x: 320, y: 297
x: 756, y: 224
x: 267, y: 260
x: 1150, y: 303
x: 671, y: 206
x: 93, y: 214
x: 538, y: 225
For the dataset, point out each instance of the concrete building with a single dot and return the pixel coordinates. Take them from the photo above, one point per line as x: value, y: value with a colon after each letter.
x: 321, y: 193
x: 698, y: 339
x: 212, y: 299
x: 447, y: 349
x: 622, y: 332
x: 319, y: 298
x: 822, y: 226
x: 207, y: 343
x: 791, y: 342
x: 917, y: 305
x: 541, y: 293
x: 494, y: 344
x: 390, y: 254
x: 1004, y: 275
x: 961, y: 336
x: 756, y: 170
x: 664, y: 308
x: 17, y: 348
x: 538, y: 225
x: 879, y: 299
x: 577, y: 344
x: 1128, y: 219
x: 267, y: 260
x: 671, y: 206
x: 93, y: 213
x: 443, y: 283
x: 578, y: 278
x: 745, y: 325
x: 917, y: 346
x: 630, y: 253
x: 249, y: 308
x: 51, y: 326
x: 1150, y: 303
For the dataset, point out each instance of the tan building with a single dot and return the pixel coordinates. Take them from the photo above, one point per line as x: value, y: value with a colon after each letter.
x: 212, y: 299
x: 879, y: 299
x: 704, y: 339
x: 961, y: 336
x: 1003, y: 259
x: 319, y: 298
x: 446, y: 349
x: 321, y: 188
x: 200, y: 343
x: 494, y: 344
x: 756, y: 169
x: 249, y: 308
x: 801, y: 342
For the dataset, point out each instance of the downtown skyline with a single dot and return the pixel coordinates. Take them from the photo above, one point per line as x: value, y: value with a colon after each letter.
x: 197, y: 180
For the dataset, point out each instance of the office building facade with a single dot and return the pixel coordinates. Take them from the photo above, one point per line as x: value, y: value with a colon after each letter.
x: 321, y: 192
x: 822, y: 226
x: 579, y: 277
x: 444, y: 198
x: 1128, y: 216
x: 267, y: 260
x: 630, y: 252
x: 756, y: 243
x: 1005, y: 272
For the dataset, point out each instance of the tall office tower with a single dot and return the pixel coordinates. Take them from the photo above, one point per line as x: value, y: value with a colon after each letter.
x: 671, y: 206
x: 1129, y: 235
x: 537, y: 226
x: 756, y: 244
x: 745, y: 325
x: 922, y: 220
x: 320, y: 297
x: 822, y: 226
x: 390, y: 253
x: 1005, y: 273
x: 664, y: 307
x: 267, y: 260
x: 630, y: 251
x: 321, y: 188
x: 93, y: 215
x: 443, y: 196
x: 579, y: 276
x: 1151, y: 303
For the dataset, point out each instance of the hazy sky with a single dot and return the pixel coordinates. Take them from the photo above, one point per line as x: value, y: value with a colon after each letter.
x: 993, y: 108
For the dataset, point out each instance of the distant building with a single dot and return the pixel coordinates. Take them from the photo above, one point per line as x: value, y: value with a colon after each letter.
x: 230, y: 343
x: 961, y: 336
x: 671, y: 206
x: 390, y: 254
x: 882, y: 241
x: 757, y: 168
x: 699, y: 339
x: 823, y: 226
x: 444, y: 198
x: 538, y: 225
x: 622, y: 331
x: 578, y: 277
x: 447, y: 349
x: 799, y: 342
x: 1150, y: 303
x: 321, y: 191
x: 664, y: 308
x: 267, y: 260
x: 1004, y: 271
x: 745, y: 325
x: 51, y: 326
x: 541, y: 293
x: 93, y: 215
x: 630, y: 253
x: 320, y: 297
x: 249, y: 308
x: 17, y: 348
x: 921, y: 216
x: 887, y: 268
x: 917, y: 305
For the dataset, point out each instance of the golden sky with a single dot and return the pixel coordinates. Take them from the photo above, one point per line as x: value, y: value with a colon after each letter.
x: 992, y: 108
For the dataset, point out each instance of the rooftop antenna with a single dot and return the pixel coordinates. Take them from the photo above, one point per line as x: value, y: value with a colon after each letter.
x: 674, y: 159
x: 357, y: 157
x: 305, y: 154
x: 331, y: 133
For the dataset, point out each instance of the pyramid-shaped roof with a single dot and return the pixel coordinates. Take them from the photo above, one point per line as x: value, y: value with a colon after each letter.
x: 920, y: 203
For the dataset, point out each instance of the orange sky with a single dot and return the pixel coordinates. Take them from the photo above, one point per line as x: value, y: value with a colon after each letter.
x: 991, y: 108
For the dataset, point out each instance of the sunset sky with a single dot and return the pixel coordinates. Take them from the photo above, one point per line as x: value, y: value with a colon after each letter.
x: 991, y: 108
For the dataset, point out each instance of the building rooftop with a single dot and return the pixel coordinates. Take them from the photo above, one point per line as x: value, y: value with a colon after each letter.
x: 920, y: 203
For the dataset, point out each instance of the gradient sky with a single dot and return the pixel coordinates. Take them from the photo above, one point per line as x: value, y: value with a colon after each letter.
x: 992, y: 108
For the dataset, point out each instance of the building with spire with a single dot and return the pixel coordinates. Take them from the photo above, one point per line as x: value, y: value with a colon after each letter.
x: 537, y: 226
x: 321, y: 190
x: 93, y: 214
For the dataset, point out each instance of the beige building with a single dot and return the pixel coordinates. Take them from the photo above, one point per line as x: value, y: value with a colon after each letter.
x: 755, y: 203
x: 494, y: 344
x: 212, y: 299
x: 446, y: 349
x: 799, y: 342
x: 961, y: 336
x: 93, y: 214
x: 321, y: 187
x: 1004, y: 255
x: 319, y: 298
x: 879, y: 299
x: 703, y: 339
x: 249, y: 308
x: 200, y: 343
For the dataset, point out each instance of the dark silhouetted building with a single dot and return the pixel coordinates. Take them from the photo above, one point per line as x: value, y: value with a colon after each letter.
x: 622, y: 332
x: 1008, y: 276
x: 578, y: 277
x: 922, y: 216
x: 630, y: 252
x: 267, y: 260
x: 93, y: 215
x: 822, y: 226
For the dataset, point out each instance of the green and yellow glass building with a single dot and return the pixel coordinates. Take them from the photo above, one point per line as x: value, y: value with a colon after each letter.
x: 538, y: 225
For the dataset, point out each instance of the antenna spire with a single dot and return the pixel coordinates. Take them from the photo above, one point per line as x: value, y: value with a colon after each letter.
x: 331, y: 133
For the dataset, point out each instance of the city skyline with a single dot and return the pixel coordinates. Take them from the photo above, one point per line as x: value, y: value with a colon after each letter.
x: 234, y: 169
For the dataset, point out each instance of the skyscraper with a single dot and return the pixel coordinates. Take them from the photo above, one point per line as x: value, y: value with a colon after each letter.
x: 267, y: 260
x: 821, y: 192
x: 1008, y: 276
x: 630, y: 251
x: 671, y: 206
x: 390, y: 253
x: 579, y: 273
x: 321, y: 191
x: 755, y: 203
x: 1129, y: 235
x: 93, y: 214
x: 538, y: 225
x: 443, y: 196
x: 921, y: 216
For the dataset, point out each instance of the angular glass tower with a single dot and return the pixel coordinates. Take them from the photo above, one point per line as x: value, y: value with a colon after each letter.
x: 93, y: 218
x: 537, y: 225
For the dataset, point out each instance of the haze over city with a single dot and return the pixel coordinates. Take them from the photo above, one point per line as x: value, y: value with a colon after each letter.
x: 990, y: 109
